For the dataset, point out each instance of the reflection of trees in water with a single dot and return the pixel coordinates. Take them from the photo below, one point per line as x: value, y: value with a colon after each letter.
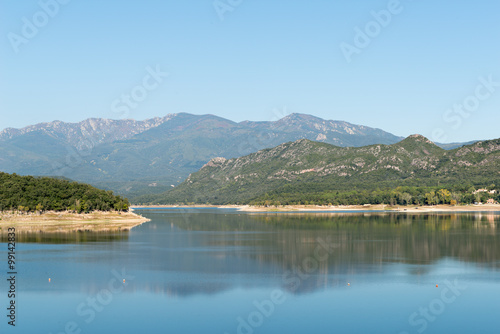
x: 68, y: 237
x: 413, y: 239
x: 365, y: 238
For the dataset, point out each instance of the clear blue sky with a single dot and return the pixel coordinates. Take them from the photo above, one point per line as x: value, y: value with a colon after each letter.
x: 262, y: 57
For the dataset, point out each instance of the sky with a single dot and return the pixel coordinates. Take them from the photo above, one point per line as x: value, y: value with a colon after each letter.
x: 409, y: 66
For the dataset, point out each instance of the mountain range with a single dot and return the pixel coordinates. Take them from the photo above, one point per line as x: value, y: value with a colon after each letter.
x: 146, y: 157
x: 307, y: 167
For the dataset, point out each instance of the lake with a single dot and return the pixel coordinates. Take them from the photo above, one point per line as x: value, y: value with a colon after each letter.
x: 223, y: 271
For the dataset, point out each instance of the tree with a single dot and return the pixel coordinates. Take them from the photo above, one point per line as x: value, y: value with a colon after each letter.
x: 430, y: 198
x: 457, y: 197
x: 406, y: 198
x: 444, y: 196
x: 39, y: 208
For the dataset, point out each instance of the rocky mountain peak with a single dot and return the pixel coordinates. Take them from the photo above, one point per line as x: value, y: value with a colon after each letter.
x: 89, y: 132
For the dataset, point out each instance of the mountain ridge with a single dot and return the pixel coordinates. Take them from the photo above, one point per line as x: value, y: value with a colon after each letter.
x: 88, y: 129
x: 139, y: 157
x: 303, y: 164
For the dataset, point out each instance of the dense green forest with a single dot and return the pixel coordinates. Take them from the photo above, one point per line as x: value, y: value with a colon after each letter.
x: 28, y: 194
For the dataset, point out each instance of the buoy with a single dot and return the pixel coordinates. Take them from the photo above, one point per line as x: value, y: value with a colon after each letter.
x: 49, y: 280
x: 124, y: 280
x: 348, y: 284
x: 436, y: 285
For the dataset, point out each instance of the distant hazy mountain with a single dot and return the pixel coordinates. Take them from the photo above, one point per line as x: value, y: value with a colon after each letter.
x: 90, y: 132
x: 137, y: 157
x: 62, y: 149
x: 305, y: 166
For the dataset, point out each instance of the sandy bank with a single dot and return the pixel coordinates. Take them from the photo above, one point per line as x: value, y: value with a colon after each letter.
x: 70, y: 222
x: 340, y: 208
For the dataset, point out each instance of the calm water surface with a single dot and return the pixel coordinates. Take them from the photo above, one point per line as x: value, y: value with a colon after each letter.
x: 220, y: 271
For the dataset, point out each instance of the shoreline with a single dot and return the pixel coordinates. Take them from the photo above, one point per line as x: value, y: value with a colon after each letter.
x: 65, y: 222
x: 340, y: 208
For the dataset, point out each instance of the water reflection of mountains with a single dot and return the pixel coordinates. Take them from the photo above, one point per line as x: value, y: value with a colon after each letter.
x: 252, y: 245
x: 184, y: 254
x: 371, y: 237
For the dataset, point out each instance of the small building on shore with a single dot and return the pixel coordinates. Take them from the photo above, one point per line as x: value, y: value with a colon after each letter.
x: 484, y: 191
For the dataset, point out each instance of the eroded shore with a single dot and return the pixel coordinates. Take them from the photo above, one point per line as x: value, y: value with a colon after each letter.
x: 340, y: 208
x: 70, y: 222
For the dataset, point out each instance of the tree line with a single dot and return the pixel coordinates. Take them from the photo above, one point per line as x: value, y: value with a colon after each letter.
x: 403, y: 195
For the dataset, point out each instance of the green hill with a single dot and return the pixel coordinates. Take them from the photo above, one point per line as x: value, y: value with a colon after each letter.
x: 28, y: 193
x: 306, y: 171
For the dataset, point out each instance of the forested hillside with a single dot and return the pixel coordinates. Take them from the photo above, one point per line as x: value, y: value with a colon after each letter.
x: 28, y: 193
x: 413, y: 171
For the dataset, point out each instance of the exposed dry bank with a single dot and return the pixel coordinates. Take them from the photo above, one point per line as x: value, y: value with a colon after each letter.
x: 377, y: 207
x: 98, y: 221
x: 340, y: 208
